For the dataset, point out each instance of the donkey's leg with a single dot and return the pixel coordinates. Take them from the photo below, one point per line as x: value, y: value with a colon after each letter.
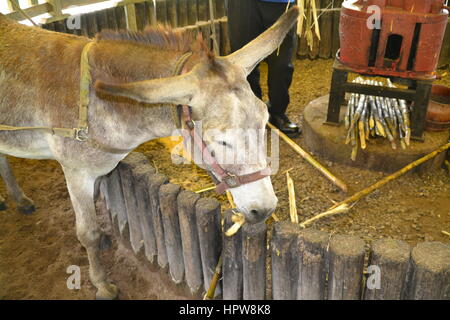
x: 24, y: 204
x: 81, y: 190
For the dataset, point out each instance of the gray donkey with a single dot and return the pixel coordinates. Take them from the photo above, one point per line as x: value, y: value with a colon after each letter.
x: 39, y: 87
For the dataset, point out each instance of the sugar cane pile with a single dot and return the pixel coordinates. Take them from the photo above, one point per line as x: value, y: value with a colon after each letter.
x: 371, y: 116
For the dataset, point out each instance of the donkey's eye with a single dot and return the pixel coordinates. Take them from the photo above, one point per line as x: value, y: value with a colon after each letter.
x: 225, y: 144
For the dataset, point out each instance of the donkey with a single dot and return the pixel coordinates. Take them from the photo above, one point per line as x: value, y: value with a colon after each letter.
x: 39, y: 77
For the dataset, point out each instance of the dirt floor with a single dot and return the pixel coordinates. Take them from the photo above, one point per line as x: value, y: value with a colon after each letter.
x: 36, y: 250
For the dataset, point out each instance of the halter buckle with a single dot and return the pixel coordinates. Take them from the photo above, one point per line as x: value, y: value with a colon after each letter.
x: 190, y: 124
x: 81, y: 134
x: 231, y: 180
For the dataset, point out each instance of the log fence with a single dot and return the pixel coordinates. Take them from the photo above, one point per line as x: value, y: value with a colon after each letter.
x: 181, y: 233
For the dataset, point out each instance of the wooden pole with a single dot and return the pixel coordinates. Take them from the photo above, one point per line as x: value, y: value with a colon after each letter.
x: 232, y: 269
x: 116, y: 203
x: 202, y: 10
x: 126, y: 168
x: 192, y: 12
x: 142, y: 176
x: 337, y: 182
x: 312, y: 255
x: 224, y: 37
x: 284, y: 261
x: 392, y: 259
x: 191, y: 248
x: 130, y: 14
x: 183, y: 13
x: 346, y: 263
x: 129, y: 194
x: 172, y: 16
x: 112, y: 20
x: 430, y: 278
x: 154, y: 184
x: 142, y: 19
x: 209, y: 234
x: 102, y: 20
x: 168, y: 194
x: 254, y: 261
x: 121, y: 18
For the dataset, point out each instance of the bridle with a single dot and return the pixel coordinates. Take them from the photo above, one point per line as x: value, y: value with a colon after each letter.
x: 224, y: 180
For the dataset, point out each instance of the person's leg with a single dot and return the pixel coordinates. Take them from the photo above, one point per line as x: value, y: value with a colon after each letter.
x: 244, y: 25
x: 280, y: 71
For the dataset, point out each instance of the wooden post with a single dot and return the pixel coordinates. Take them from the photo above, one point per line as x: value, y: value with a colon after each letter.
x: 391, y: 258
x: 220, y: 8
x: 141, y: 15
x: 326, y: 31
x: 192, y: 12
x: 116, y: 204
x: 191, y: 248
x: 142, y: 175
x: 203, y: 9
x: 129, y: 194
x: 430, y: 279
x: 126, y: 167
x: 346, y: 263
x: 254, y: 261
x: 168, y: 194
x: 232, y: 269
x: 161, y: 12
x: 111, y: 17
x: 210, y: 237
x: 284, y: 261
x: 336, y: 41
x: 182, y: 13
x: 224, y: 37
x: 130, y: 14
x: 102, y: 20
x: 121, y: 18
x: 92, y: 28
x: 172, y: 16
x: 151, y: 11
x: 56, y: 13
x: 154, y: 183
x: 312, y: 262
x: 84, y: 26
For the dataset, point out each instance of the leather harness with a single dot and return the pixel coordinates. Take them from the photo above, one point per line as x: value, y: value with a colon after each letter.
x: 224, y: 179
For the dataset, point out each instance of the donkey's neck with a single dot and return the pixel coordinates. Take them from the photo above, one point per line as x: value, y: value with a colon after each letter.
x: 120, y: 62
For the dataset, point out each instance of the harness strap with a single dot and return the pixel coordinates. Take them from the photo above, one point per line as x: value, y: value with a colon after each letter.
x: 177, y: 71
x: 81, y: 132
x: 85, y: 82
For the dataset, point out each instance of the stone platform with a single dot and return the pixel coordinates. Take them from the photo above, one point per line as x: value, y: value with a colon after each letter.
x: 329, y: 142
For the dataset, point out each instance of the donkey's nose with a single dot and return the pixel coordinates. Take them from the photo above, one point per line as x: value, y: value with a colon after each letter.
x: 256, y: 215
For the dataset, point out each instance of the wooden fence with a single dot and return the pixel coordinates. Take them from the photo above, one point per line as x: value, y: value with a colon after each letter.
x: 136, y: 14
x: 182, y: 232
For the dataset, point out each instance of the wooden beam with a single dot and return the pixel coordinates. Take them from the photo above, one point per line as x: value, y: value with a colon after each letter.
x: 130, y: 13
x: 56, y: 11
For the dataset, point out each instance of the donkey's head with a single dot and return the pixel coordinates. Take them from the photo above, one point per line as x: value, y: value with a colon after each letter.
x: 233, y: 119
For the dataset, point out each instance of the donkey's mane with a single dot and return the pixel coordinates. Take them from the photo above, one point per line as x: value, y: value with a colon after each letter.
x: 160, y: 37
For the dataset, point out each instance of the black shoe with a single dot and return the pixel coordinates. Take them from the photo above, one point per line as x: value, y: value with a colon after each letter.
x: 282, y: 122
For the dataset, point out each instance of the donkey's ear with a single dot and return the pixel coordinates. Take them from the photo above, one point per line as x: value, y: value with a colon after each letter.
x: 174, y: 90
x: 257, y: 50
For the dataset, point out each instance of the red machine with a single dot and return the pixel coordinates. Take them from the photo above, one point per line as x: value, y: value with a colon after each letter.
x: 407, y: 45
x: 397, y: 39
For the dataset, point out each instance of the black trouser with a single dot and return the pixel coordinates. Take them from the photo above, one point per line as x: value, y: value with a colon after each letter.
x: 247, y: 19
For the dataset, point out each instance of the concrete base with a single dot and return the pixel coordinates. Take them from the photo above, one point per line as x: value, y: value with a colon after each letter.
x: 329, y: 142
